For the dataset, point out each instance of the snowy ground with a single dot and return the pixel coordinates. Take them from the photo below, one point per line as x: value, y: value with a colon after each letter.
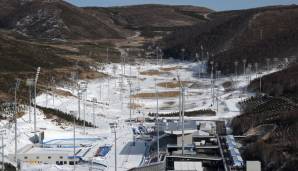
x: 113, y: 105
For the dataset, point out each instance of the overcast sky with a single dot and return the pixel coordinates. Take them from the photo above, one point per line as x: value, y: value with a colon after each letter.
x: 218, y: 5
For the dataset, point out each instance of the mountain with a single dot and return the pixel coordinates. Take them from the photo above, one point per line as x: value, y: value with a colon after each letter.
x: 57, y: 19
x: 52, y: 19
x: 271, y: 121
x: 254, y: 34
x: 150, y: 19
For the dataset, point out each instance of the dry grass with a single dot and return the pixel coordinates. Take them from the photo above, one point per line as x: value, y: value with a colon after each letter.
x: 173, y: 84
x: 90, y: 75
x: 63, y: 93
x: 169, y: 69
x: 134, y: 106
x: 166, y: 94
x: 20, y: 114
x: 153, y: 72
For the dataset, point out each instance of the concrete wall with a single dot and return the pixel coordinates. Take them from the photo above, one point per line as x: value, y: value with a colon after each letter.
x: 153, y: 167
x: 45, y: 158
x: 187, y: 139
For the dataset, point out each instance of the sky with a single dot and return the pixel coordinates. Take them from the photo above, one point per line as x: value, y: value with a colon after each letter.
x: 218, y: 5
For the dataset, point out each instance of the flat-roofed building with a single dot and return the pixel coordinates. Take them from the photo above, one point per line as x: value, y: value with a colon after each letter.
x: 188, y: 166
x: 40, y: 155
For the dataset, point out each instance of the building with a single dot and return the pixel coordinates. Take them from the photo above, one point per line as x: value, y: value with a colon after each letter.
x: 36, y: 154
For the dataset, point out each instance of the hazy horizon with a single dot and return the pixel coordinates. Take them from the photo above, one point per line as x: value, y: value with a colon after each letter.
x: 212, y: 4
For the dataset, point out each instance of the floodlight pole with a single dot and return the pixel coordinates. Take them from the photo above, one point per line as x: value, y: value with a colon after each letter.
x: 244, y: 65
x: 236, y: 69
x: 30, y: 98
x: 30, y: 83
x: 129, y: 102
x: 2, y: 143
x: 35, y: 84
x: 94, y: 100
x: 113, y: 127
x: 74, y: 140
x: 180, y: 97
x: 107, y: 55
x: 212, y: 81
x: 183, y: 100
x: 156, y: 120
x: 84, y: 110
x: 15, y: 117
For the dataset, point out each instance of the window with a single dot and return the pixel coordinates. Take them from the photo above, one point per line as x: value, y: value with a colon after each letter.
x: 49, y: 157
x: 70, y: 162
x: 25, y: 157
x: 37, y: 157
x: 65, y: 162
x: 61, y: 157
x: 57, y: 163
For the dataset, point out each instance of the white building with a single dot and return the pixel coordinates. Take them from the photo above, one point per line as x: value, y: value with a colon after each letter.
x: 36, y: 154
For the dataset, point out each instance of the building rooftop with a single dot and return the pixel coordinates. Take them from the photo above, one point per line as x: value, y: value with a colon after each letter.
x: 37, y: 149
x: 188, y: 165
x: 176, y: 127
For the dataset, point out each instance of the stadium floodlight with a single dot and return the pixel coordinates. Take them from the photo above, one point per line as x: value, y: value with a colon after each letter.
x: 17, y: 85
x: 130, y: 105
x: 157, y: 120
x: 30, y: 84
x: 83, y: 88
x: 183, y: 53
x: 35, y: 85
x: 2, y: 133
x: 256, y: 65
x: 74, y: 139
x: 113, y: 126
x: 244, y: 66
x: 107, y: 55
x: 94, y: 100
x: 268, y: 63
x: 212, y: 81
x: 236, y: 68
x: 182, y: 107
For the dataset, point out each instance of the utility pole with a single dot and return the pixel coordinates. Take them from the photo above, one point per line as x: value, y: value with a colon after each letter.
x: 15, y: 117
x: 157, y: 121
x: 35, y: 85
